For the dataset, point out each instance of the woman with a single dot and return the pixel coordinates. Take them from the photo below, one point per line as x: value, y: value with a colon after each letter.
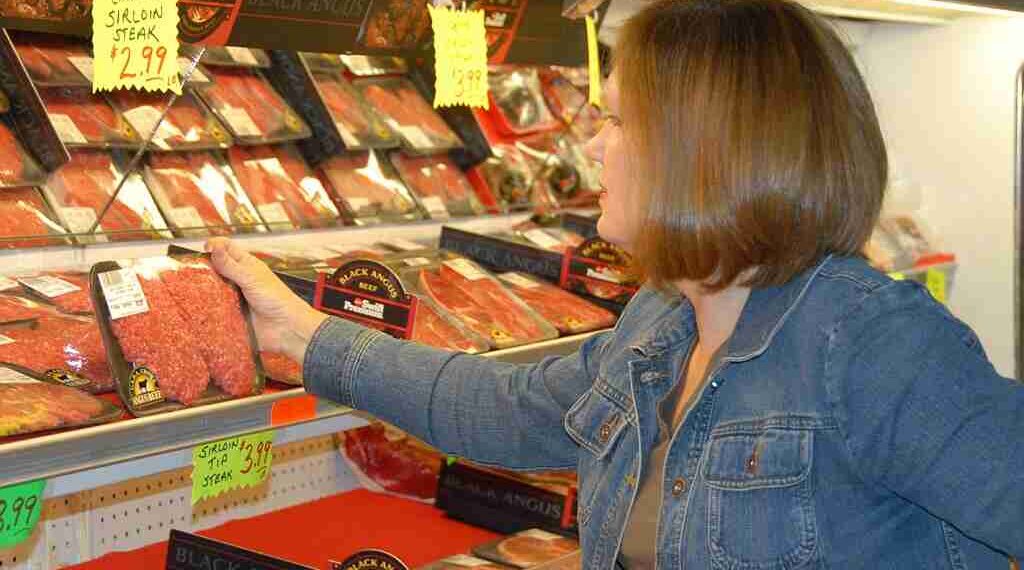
x: 767, y: 401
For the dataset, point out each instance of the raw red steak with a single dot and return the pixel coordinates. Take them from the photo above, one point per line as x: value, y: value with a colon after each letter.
x: 213, y: 315
x: 88, y: 181
x: 92, y: 115
x: 396, y: 463
x: 47, y: 59
x: 178, y: 176
x: 360, y: 182
x: 12, y: 158
x: 437, y: 176
x: 432, y: 329
x: 344, y: 104
x: 38, y: 406
x: 186, y: 117
x: 525, y: 550
x: 23, y: 215
x: 245, y: 89
x: 157, y: 339
x: 281, y: 368
x: 399, y: 100
x: 15, y: 308
x: 567, y: 312
x: 268, y: 175
x: 483, y: 306
x: 61, y: 344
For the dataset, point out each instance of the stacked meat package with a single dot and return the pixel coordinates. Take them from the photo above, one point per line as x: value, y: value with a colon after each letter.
x: 187, y: 125
x: 30, y: 403
x: 408, y: 114
x: 368, y: 189
x: 26, y: 221
x: 254, y: 113
x: 441, y: 187
x: 176, y: 332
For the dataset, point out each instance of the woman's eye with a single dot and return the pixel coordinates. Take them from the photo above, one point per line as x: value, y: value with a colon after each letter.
x: 613, y: 120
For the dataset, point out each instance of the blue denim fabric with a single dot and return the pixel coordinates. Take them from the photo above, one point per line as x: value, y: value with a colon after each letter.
x: 853, y: 423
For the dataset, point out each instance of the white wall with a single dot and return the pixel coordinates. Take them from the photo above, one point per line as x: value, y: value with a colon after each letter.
x: 945, y: 96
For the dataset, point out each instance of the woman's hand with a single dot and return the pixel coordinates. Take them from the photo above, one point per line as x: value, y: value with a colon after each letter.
x: 283, y: 321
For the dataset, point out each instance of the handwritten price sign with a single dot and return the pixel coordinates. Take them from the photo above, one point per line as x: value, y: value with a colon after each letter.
x: 231, y: 463
x: 19, y: 511
x: 135, y: 45
x: 460, y: 51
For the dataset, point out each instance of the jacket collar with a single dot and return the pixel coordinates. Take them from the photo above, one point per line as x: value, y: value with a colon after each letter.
x: 764, y: 314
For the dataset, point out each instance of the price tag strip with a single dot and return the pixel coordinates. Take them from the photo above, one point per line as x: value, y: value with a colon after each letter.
x: 20, y: 506
x: 460, y: 63
x: 135, y: 45
x: 233, y: 463
x: 49, y: 286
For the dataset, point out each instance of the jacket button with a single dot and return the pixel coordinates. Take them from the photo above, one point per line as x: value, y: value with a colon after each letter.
x: 678, y: 487
x: 604, y: 433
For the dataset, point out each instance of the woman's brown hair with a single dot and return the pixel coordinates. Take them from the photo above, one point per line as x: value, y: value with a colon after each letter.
x: 759, y: 146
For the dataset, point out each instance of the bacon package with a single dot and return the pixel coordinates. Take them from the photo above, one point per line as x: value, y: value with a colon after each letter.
x: 175, y: 332
x: 26, y: 221
x: 517, y: 102
x: 29, y: 404
x: 188, y: 124
x: 247, y: 104
x: 81, y: 188
x: 286, y: 193
x: 440, y: 185
x: 67, y: 290
x: 356, y: 122
x: 52, y: 60
x: 17, y: 167
x: 480, y: 302
x: 408, y: 114
x: 567, y: 312
x: 199, y: 196
x: 527, y: 548
x: 68, y: 350
x: 365, y: 185
x: 83, y: 119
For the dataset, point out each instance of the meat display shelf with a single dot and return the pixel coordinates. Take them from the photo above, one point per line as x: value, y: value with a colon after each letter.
x: 80, y: 458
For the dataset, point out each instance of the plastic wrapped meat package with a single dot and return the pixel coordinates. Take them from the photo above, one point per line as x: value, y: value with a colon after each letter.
x: 528, y: 548
x: 187, y: 126
x: 433, y: 327
x: 190, y: 332
x: 285, y: 192
x: 67, y: 289
x: 461, y: 561
x: 29, y: 405
x: 356, y: 122
x: 53, y: 60
x: 369, y: 65
x: 569, y: 103
x: 17, y: 166
x: 518, y: 101
x: 560, y: 162
x: 65, y: 349
x: 481, y: 303
x: 15, y: 308
x: 198, y: 196
x: 408, y: 114
x: 508, y: 180
x: 440, y: 185
x: 26, y: 221
x: 247, y: 104
x: 82, y: 187
x: 83, y: 119
x: 365, y: 185
x: 387, y: 459
x: 549, y: 238
x: 565, y: 311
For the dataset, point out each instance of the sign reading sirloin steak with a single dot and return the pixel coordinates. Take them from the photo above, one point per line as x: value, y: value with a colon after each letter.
x: 368, y: 293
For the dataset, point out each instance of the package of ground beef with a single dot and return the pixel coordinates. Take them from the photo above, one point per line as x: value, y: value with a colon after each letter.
x: 29, y: 403
x: 63, y: 349
x: 15, y: 308
x: 68, y: 289
x: 176, y: 333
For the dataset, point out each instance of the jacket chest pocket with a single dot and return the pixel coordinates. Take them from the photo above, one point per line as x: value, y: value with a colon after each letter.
x: 760, y: 509
x: 597, y: 424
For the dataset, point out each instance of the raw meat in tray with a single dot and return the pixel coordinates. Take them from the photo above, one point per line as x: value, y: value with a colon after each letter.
x: 26, y: 221
x: 188, y: 125
x: 567, y: 312
x: 408, y: 114
x: 84, y: 119
x: 244, y: 101
x: 283, y: 189
x: 439, y: 183
x: 29, y: 405
x: 17, y: 167
x: 365, y: 185
x: 55, y: 346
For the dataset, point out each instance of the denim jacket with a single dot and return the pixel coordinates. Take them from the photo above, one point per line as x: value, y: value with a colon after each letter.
x: 852, y: 423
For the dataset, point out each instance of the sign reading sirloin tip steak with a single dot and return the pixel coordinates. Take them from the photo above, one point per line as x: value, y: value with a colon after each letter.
x: 368, y: 293
x: 135, y: 45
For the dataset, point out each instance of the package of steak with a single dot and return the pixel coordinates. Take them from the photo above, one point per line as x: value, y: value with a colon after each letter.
x: 17, y: 167
x: 357, y: 123
x: 366, y: 187
x: 528, y: 548
x: 569, y: 103
x: 370, y: 65
x: 385, y: 459
x: 230, y: 56
x: 517, y: 102
x: 80, y: 190
x: 408, y: 114
x: 285, y: 192
x: 64, y: 349
x: 30, y: 403
x: 17, y: 308
x: 462, y: 561
x: 83, y: 119
x: 507, y: 181
x: 54, y: 60
x: 26, y: 220
x: 567, y: 312
x: 176, y: 333
x: 480, y: 302
x: 199, y: 196
x: 560, y: 162
x: 439, y: 184
x: 65, y: 289
x: 550, y: 238
x: 188, y: 125
x: 253, y: 112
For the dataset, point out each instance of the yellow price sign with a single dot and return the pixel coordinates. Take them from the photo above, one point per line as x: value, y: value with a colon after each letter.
x: 232, y: 463
x: 935, y: 281
x: 135, y: 45
x: 460, y: 57
x: 593, y: 63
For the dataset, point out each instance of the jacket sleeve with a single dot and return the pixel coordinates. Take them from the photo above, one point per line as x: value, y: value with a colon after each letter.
x: 925, y: 414
x: 491, y: 412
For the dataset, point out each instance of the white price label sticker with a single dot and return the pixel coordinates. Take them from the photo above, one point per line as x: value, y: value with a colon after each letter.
x: 346, y: 135
x: 357, y: 203
x: 184, y: 64
x: 519, y: 281
x: 465, y: 268
x: 6, y: 340
x: 6, y: 284
x: 8, y: 376
x: 271, y: 165
x: 274, y: 213
x: 83, y: 64
x: 540, y: 534
x: 416, y: 261
x: 242, y: 55
x: 403, y: 244
x: 313, y: 189
x: 435, y: 207
x: 416, y: 137
x: 145, y: 118
x: 123, y: 293
x: 542, y: 238
x: 186, y: 217
x: 49, y: 286
x: 79, y: 220
x: 241, y: 122
x: 467, y: 561
x: 66, y: 129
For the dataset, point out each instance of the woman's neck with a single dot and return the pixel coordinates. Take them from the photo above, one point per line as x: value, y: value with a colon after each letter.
x: 717, y: 312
